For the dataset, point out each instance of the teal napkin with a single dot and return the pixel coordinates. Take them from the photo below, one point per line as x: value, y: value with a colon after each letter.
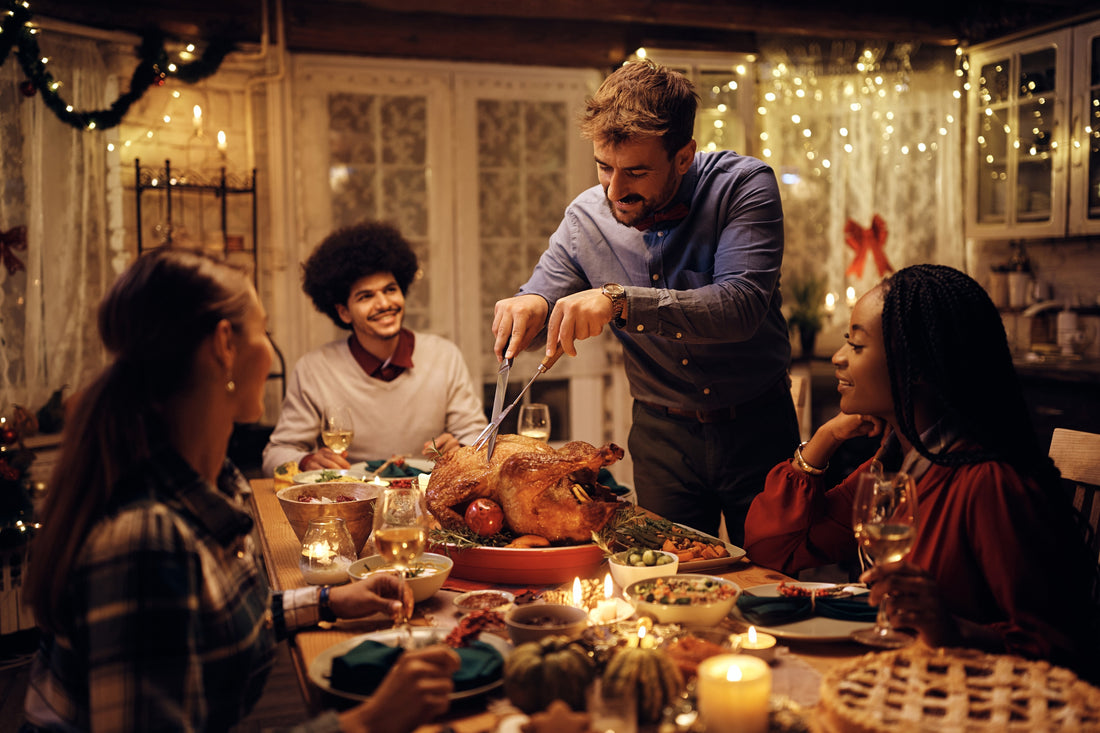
x: 362, y: 669
x: 393, y: 470
x: 604, y: 477
x: 763, y: 611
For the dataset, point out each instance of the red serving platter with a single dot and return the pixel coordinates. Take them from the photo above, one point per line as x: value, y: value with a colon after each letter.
x: 522, y: 566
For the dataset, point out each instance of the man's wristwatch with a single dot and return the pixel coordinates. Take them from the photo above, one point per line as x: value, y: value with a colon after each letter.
x: 617, y: 295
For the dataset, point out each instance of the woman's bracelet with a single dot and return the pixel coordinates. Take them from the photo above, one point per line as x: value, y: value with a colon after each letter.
x: 806, y: 467
x: 324, y: 610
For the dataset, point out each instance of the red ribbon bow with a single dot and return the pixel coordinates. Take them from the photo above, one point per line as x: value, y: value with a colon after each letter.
x: 11, y: 240
x: 867, y: 240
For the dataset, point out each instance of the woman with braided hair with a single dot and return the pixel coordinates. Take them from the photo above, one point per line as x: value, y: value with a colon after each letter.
x: 997, y: 563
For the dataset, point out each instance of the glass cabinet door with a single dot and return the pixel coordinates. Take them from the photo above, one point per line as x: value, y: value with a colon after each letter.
x: 1085, y: 148
x: 992, y: 142
x: 1019, y: 94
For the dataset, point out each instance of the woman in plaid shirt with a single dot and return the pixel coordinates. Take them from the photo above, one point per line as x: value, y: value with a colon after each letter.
x: 156, y: 614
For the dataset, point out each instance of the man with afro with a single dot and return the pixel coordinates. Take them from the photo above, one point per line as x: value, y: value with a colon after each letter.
x: 409, y: 393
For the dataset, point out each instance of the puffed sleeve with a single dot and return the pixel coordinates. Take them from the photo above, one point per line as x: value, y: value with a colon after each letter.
x: 798, y: 523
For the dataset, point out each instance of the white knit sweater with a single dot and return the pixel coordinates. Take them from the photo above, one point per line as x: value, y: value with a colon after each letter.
x: 436, y: 396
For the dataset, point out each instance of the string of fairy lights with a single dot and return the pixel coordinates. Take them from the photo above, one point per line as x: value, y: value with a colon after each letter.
x: 19, y: 33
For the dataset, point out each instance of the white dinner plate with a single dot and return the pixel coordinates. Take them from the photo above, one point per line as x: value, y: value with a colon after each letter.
x: 815, y: 628
x: 706, y: 566
x: 358, y: 470
x: 320, y: 669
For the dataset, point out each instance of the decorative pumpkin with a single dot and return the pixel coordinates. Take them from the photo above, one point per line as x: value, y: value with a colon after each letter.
x: 553, y: 668
x: 647, y: 674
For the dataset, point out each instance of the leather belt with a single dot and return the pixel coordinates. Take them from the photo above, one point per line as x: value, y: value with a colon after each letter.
x: 721, y: 414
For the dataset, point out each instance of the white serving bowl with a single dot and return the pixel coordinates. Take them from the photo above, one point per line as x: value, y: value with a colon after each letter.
x: 437, y: 568
x: 697, y: 612
x: 624, y: 574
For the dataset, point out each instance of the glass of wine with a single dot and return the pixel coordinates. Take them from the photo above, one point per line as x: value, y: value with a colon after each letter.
x: 884, y: 517
x: 534, y: 421
x: 336, y: 427
x: 401, y: 522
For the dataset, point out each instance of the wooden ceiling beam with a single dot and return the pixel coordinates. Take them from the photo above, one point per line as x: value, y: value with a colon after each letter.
x: 344, y: 28
x: 880, y: 20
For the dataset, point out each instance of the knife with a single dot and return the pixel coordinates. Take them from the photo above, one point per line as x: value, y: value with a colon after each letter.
x: 498, y: 402
x: 490, y: 431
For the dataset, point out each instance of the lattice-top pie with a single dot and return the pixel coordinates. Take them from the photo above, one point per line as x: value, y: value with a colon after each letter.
x: 948, y: 690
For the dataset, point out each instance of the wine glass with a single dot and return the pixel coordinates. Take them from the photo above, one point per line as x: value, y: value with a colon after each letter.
x: 884, y: 518
x: 401, y: 521
x: 337, y: 429
x: 534, y: 421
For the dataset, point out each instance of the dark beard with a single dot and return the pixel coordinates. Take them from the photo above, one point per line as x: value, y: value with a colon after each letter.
x: 646, y: 212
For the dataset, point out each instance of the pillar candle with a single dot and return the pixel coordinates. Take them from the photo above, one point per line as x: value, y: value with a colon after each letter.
x: 733, y: 692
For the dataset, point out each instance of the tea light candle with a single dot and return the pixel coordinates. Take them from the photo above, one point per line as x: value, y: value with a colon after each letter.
x: 733, y: 692
x: 607, y: 609
x: 578, y: 594
x: 758, y: 644
x: 321, y: 565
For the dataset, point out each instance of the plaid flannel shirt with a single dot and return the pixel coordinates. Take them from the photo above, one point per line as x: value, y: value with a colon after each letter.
x: 172, y: 625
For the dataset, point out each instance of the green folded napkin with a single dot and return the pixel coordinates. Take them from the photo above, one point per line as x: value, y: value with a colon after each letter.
x: 362, y: 668
x: 393, y: 470
x: 604, y: 477
x: 764, y: 611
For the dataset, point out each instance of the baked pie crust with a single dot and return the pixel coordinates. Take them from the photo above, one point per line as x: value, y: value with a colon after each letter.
x: 948, y: 690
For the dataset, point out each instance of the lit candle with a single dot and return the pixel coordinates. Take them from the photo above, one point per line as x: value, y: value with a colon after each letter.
x: 830, y: 303
x: 197, y: 121
x: 850, y: 296
x: 606, y: 610
x: 221, y: 141
x: 733, y: 692
x: 578, y: 594
x: 322, y: 565
x: 758, y: 645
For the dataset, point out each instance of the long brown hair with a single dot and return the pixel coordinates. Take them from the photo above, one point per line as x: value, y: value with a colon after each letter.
x: 152, y: 320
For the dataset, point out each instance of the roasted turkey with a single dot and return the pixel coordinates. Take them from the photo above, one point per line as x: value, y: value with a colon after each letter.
x: 543, y: 491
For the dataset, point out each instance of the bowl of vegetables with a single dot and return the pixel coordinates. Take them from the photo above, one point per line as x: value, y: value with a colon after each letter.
x: 425, y: 576
x: 688, y: 600
x: 636, y: 564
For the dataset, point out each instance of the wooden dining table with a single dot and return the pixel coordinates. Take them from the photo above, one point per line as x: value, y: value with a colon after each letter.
x: 281, y: 550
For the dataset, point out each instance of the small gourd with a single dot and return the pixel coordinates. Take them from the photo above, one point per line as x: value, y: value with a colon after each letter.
x: 553, y: 668
x: 647, y: 674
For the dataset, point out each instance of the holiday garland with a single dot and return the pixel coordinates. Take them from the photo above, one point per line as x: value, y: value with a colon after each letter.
x: 153, y: 68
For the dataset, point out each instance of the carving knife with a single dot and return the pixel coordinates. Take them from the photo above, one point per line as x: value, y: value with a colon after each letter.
x: 498, y: 402
x: 491, y: 430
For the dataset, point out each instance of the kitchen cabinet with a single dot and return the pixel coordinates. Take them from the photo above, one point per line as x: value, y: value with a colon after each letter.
x: 1084, y: 152
x: 1033, y: 150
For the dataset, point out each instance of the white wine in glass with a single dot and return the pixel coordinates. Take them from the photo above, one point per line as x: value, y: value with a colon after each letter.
x: 884, y: 518
x: 401, y: 522
x: 336, y: 428
x: 534, y: 421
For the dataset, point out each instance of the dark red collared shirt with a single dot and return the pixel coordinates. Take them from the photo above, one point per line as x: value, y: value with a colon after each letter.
x: 391, y: 369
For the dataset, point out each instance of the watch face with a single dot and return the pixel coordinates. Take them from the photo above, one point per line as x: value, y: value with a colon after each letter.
x: 614, y: 290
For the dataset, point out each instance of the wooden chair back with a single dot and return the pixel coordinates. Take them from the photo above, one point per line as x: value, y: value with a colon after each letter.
x: 1077, y: 455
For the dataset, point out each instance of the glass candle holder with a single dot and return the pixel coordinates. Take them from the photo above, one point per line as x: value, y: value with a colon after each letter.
x: 327, y: 551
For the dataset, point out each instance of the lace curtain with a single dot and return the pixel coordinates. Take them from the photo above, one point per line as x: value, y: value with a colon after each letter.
x: 53, y: 184
x: 851, y: 143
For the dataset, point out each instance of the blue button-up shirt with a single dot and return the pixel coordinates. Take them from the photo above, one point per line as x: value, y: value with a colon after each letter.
x: 703, y: 326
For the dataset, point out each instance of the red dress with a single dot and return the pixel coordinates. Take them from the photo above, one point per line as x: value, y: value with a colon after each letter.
x: 1004, y: 555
